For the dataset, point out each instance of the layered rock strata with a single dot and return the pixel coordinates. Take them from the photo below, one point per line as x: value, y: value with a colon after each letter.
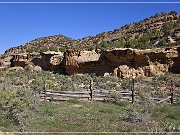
x: 124, y: 63
x: 120, y: 62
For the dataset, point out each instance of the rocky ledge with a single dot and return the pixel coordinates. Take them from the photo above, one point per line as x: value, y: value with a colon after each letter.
x: 120, y: 62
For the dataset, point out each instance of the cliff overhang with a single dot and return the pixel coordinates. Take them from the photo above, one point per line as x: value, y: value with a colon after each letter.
x: 120, y: 62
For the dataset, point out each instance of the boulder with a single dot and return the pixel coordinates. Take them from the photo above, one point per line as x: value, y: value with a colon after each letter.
x: 29, y: 67
x: 37, y: 69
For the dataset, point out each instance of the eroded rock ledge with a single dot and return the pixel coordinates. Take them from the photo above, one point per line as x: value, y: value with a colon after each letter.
x: 121, y: 62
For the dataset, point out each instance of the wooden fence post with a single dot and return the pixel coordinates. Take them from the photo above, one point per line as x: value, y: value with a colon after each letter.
x: 171, y: 93
x: 44, y: 89
x: 132, y: 89
x: 91, y: 89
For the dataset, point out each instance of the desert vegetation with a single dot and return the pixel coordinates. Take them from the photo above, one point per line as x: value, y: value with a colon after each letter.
x: 22, y: 111
x: 141, y: 41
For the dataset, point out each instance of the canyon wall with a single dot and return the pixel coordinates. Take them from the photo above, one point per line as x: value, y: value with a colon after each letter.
x: 121, y: 62
x: 124, y: 63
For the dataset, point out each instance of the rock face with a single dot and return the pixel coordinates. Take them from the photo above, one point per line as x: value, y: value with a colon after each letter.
x: 123, y: 63
x: 38, y: 61
x: 148, y: 62
x: 83, y: 62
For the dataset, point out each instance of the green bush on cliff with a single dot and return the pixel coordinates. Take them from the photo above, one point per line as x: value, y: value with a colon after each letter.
x: 30, y: 50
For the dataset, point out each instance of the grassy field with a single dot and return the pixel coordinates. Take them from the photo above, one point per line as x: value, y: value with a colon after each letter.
x: 19, y: 112
x: 98, y: 117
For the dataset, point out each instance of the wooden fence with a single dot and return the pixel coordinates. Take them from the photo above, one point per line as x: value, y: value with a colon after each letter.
x: 94, y: 95
x: 168, y: 100
x: 50, y: 95
x: 102, y: 95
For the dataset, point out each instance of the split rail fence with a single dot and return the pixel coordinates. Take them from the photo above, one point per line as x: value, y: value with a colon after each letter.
x: 101, y: 95
x: 95, y: 95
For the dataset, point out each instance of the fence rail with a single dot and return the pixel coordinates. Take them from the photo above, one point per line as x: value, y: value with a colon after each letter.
x: 97, y: 95
x: 102, y: 95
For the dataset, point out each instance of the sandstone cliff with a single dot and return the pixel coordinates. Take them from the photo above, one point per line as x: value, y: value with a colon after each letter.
x: 124, y: 63
x: 33, y: 61
x: 120, y: 62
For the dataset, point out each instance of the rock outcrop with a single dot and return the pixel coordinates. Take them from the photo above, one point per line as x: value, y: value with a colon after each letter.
x: 83, y: 62
x: 124, y: 63
x: 143, y: 62
x: 120, y: 62
x: 38, y: 61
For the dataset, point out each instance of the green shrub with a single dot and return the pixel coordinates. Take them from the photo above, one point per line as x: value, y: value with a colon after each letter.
x: 30, y: 50
x: 14, y: 104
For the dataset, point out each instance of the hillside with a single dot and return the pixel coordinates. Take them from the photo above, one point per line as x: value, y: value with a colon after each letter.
x: 159, y: 30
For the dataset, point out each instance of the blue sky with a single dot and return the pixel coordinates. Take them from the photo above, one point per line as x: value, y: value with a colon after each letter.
x: 21, y: 23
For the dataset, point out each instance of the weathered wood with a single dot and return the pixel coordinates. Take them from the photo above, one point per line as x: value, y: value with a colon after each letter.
x: 82, y: 100
x: 69, y: 92
x: 164, y: 100
x: 101, y: 95
x: 133, y: 91
x: 156, y: 99
x: 127, y: 97
x: 98, y: 95
x: 126, y: 94
x: 44, y: 89
x: 79, y: 92
x: 176, y: 94
x: 59, y: 94
x: 67, y: 99
x: 91, y: 89
x: 72, y: 95
x: 55, y: 99
x: 171, y: 93
x: 101, y: 91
